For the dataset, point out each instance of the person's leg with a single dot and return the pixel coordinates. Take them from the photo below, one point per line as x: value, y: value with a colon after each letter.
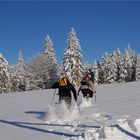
x: 84, y: 93
x: 90, y: 94
x: 67, y: 101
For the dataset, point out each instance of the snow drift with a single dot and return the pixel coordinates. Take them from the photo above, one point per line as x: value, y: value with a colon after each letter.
x: 115, y: 115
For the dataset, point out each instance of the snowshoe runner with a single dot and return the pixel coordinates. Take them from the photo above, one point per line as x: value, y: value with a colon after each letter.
x: 65, y: 89
x: 87, y: 87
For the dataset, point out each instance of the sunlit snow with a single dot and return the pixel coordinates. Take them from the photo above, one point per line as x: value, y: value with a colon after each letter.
x: 114, y: 115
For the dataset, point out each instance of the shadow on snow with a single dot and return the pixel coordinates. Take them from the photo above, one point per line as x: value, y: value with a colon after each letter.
x: 28, y: 125
x: 24, y: 125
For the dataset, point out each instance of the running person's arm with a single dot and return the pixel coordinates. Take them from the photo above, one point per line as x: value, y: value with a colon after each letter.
x: 55, y: 85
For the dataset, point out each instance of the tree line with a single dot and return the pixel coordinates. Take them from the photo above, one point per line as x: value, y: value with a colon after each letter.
x: 43, y: 70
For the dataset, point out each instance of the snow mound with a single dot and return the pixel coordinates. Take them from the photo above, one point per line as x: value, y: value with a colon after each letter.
x: 86, y: 102
x: 114, y: 115
x: 62, y: 113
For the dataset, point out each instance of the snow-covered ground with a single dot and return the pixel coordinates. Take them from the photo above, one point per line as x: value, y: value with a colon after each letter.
x: 114, y: 116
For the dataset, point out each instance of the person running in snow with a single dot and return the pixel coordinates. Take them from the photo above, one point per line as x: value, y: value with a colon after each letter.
x: 65, y: 89
x: 87, y: 87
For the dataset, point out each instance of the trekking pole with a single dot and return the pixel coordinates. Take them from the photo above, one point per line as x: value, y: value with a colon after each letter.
x: 53, y: 97
x: 95, y: 96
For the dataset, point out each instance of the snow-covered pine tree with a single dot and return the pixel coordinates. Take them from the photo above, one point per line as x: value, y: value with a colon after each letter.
x: 117, y: 55
x: 43, y: 66
x: 113, y: 69
x: 127, y: 66
x: 133, y: 76
x: 96, y: 72
x: 118, y: 67
x: 138, y: 68
x: 109, y: 67
x: 5, y: 85
x: 101, y: 74
x: 21, y: 72
x: 20, y: 59
x: 133, y: 60
x: 73, y: 59
x: 49, y: 52
x: 128, y: 63
x: 19, y: 75
x: 122, y: 71
x: 16, y: 73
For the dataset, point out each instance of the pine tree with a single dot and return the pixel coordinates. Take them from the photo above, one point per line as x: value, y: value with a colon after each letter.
x: 44, y: 66
x: 20, y: 59
x: 133, y: 76
x: 72, y: 60
x: 96, y: 72
x: 117, y: 55
x: 138, y: 68
x: 19, y: 75
x: 109, y: 67
x: 5, y: 85
x: 49, y: 52
x: 129, y: 63
x: 122, y: 71
x: 101, y: 74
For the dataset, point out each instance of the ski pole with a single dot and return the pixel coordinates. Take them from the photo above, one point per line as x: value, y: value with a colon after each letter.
x: 53, y: 96
x: 95, y: 98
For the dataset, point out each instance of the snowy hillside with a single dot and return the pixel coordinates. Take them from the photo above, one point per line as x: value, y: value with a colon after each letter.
x: 114, y: 116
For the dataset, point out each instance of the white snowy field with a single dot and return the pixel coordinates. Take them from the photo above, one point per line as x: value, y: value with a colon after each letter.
x: 114, y: 116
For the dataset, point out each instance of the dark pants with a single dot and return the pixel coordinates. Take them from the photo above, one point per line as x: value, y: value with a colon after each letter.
x: 67, y: 100
x: 87, y: 93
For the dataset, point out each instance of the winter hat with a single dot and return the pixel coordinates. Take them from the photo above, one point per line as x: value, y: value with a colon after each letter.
x: 85, y: 76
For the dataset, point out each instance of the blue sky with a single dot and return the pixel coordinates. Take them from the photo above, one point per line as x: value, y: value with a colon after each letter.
x: 100, y: 26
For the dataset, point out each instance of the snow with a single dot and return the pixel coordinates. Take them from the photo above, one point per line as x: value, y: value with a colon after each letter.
x: 30, y: 115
